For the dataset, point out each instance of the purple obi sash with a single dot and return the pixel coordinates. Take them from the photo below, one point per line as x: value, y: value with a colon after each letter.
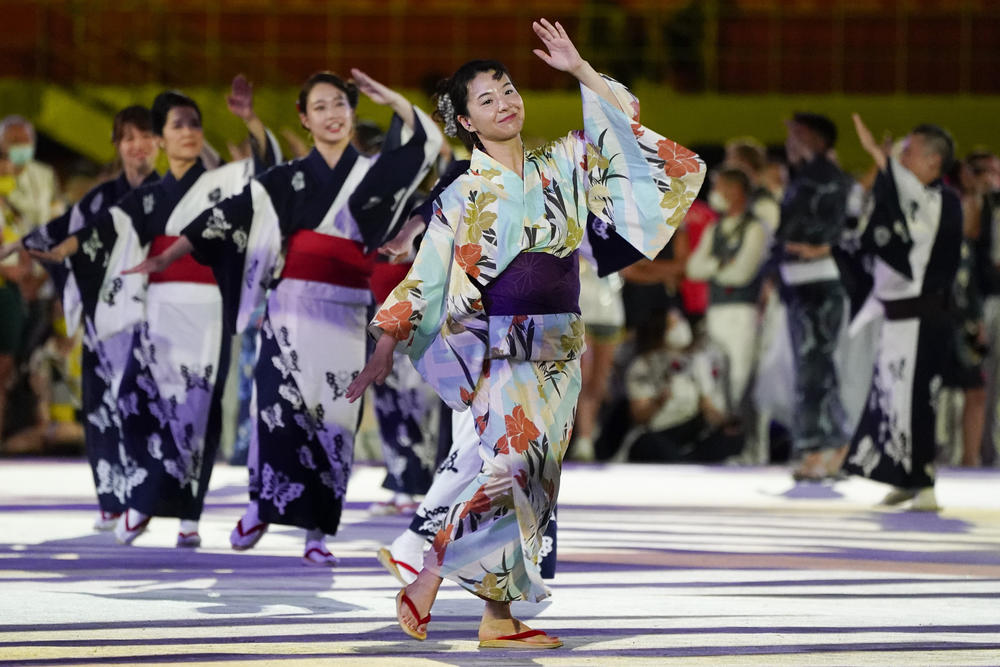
x: 535, y: 283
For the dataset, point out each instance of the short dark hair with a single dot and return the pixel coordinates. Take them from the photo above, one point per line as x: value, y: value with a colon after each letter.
x: 819, y: 125
x: 166, y: 101
x: 349, y: 88
x: 938, y: 140
x: 137, y: 116
x: 457, y: 89
x: 735, y: 175
x: 981, y: 155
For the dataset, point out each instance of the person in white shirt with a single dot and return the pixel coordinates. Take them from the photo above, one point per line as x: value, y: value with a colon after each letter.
x: 729, y: 256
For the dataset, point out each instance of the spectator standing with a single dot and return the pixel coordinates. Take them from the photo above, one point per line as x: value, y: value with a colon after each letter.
x: 813, y: 216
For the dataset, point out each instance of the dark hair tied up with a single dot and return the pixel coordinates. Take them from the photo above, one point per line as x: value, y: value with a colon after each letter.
x: 452, y: 97
x: 349, y: 88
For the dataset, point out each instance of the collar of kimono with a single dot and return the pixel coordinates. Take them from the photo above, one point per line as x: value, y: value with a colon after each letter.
x: 482, y: 163
x: 321, y: 171
x: 175, y: 189
x: 123, y: 187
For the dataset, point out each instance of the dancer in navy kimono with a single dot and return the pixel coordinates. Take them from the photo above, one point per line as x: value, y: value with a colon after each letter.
x: 913, y: 229
x: 168, y: 399
x: 329, y: 212
x: 79, y: 282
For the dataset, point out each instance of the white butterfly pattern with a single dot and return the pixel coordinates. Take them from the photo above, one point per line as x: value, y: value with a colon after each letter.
x: 290, y: 393
x: 277, y: 487
x: 272, y: 417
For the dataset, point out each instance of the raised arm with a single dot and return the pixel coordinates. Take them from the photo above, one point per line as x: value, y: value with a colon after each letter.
x: 240, y: 103
x: 560, y: 54
x: 385, y: 96
x: 869, y: 144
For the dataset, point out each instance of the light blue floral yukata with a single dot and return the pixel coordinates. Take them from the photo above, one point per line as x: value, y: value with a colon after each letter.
x: 519, y: 372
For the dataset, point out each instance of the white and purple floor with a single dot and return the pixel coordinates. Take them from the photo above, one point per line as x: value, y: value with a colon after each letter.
x: 658, y: 565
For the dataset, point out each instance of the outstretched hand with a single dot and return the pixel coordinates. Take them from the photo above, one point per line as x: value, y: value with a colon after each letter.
x: 868, y: 142
x: 147, y: 266
x: 240, y: 98
x: 377, y: 369
x: 560, y: 53
x: 58, y: 253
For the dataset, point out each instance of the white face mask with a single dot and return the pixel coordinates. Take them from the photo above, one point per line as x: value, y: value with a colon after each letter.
x: 718, y: 201
x: 20, y: 154
x: 679, y: 336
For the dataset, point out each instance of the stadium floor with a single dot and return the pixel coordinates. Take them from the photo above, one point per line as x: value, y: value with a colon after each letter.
x: 658, y: 565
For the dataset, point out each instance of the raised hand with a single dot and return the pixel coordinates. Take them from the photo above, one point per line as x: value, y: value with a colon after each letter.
x: 375, y: 91
x: 382, y: 94
x: 868, y: 142
x: 559, y: 52
x: 240, y: 98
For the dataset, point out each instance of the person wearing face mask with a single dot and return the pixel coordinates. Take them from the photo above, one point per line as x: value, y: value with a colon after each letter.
x: 14, y: 267
x: 913, y: 231
x: 326, y: 214
x: 750, y: 156
x: 813, y: 217
x: 490, y: 311
x: 169, y: 395
x: 103, y: 358
x: 729, y: 256
x: 35, y: 196
x: 669, y: 388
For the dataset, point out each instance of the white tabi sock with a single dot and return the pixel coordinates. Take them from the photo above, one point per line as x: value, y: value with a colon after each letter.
x: 315, y: 536
x: 251, y: 516
x: 409, y: 548
x: 188, y: 526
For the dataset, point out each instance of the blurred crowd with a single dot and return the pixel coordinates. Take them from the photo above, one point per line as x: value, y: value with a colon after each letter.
x: 734, y: 345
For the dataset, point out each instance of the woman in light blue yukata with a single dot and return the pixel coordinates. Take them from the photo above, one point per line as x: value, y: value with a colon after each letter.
x: 490, y: 314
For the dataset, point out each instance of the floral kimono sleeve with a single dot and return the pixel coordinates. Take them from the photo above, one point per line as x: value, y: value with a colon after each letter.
x: 637, y: 184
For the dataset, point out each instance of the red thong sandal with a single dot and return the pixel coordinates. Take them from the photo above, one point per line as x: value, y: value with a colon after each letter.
x: 317, y: 556
x: 241, y: 539
x: 401, y: 599
x: 518, y: 641
x: 397, y: 567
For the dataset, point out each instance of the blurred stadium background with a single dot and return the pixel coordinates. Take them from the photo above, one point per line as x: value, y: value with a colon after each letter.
x: 706, y: 70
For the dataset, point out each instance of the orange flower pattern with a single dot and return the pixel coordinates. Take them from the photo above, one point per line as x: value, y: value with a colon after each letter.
x: 679, y: 160
x: 395, y: 320
x: 520, y: 430
x: 467, y: 255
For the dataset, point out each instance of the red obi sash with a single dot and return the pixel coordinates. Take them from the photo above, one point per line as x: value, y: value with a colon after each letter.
x: 184, y: 270
x: 328, y: 259
x: 386, y: 277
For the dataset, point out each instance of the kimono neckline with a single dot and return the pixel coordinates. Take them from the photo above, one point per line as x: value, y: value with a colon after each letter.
x: 481, y: 158
x: 323, y: 172
x: 122, y: 186
x: 172, y: 185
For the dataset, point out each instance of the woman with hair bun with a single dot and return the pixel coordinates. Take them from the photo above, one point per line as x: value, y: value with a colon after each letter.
x: 327, y: 214
x: 490, y: 310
